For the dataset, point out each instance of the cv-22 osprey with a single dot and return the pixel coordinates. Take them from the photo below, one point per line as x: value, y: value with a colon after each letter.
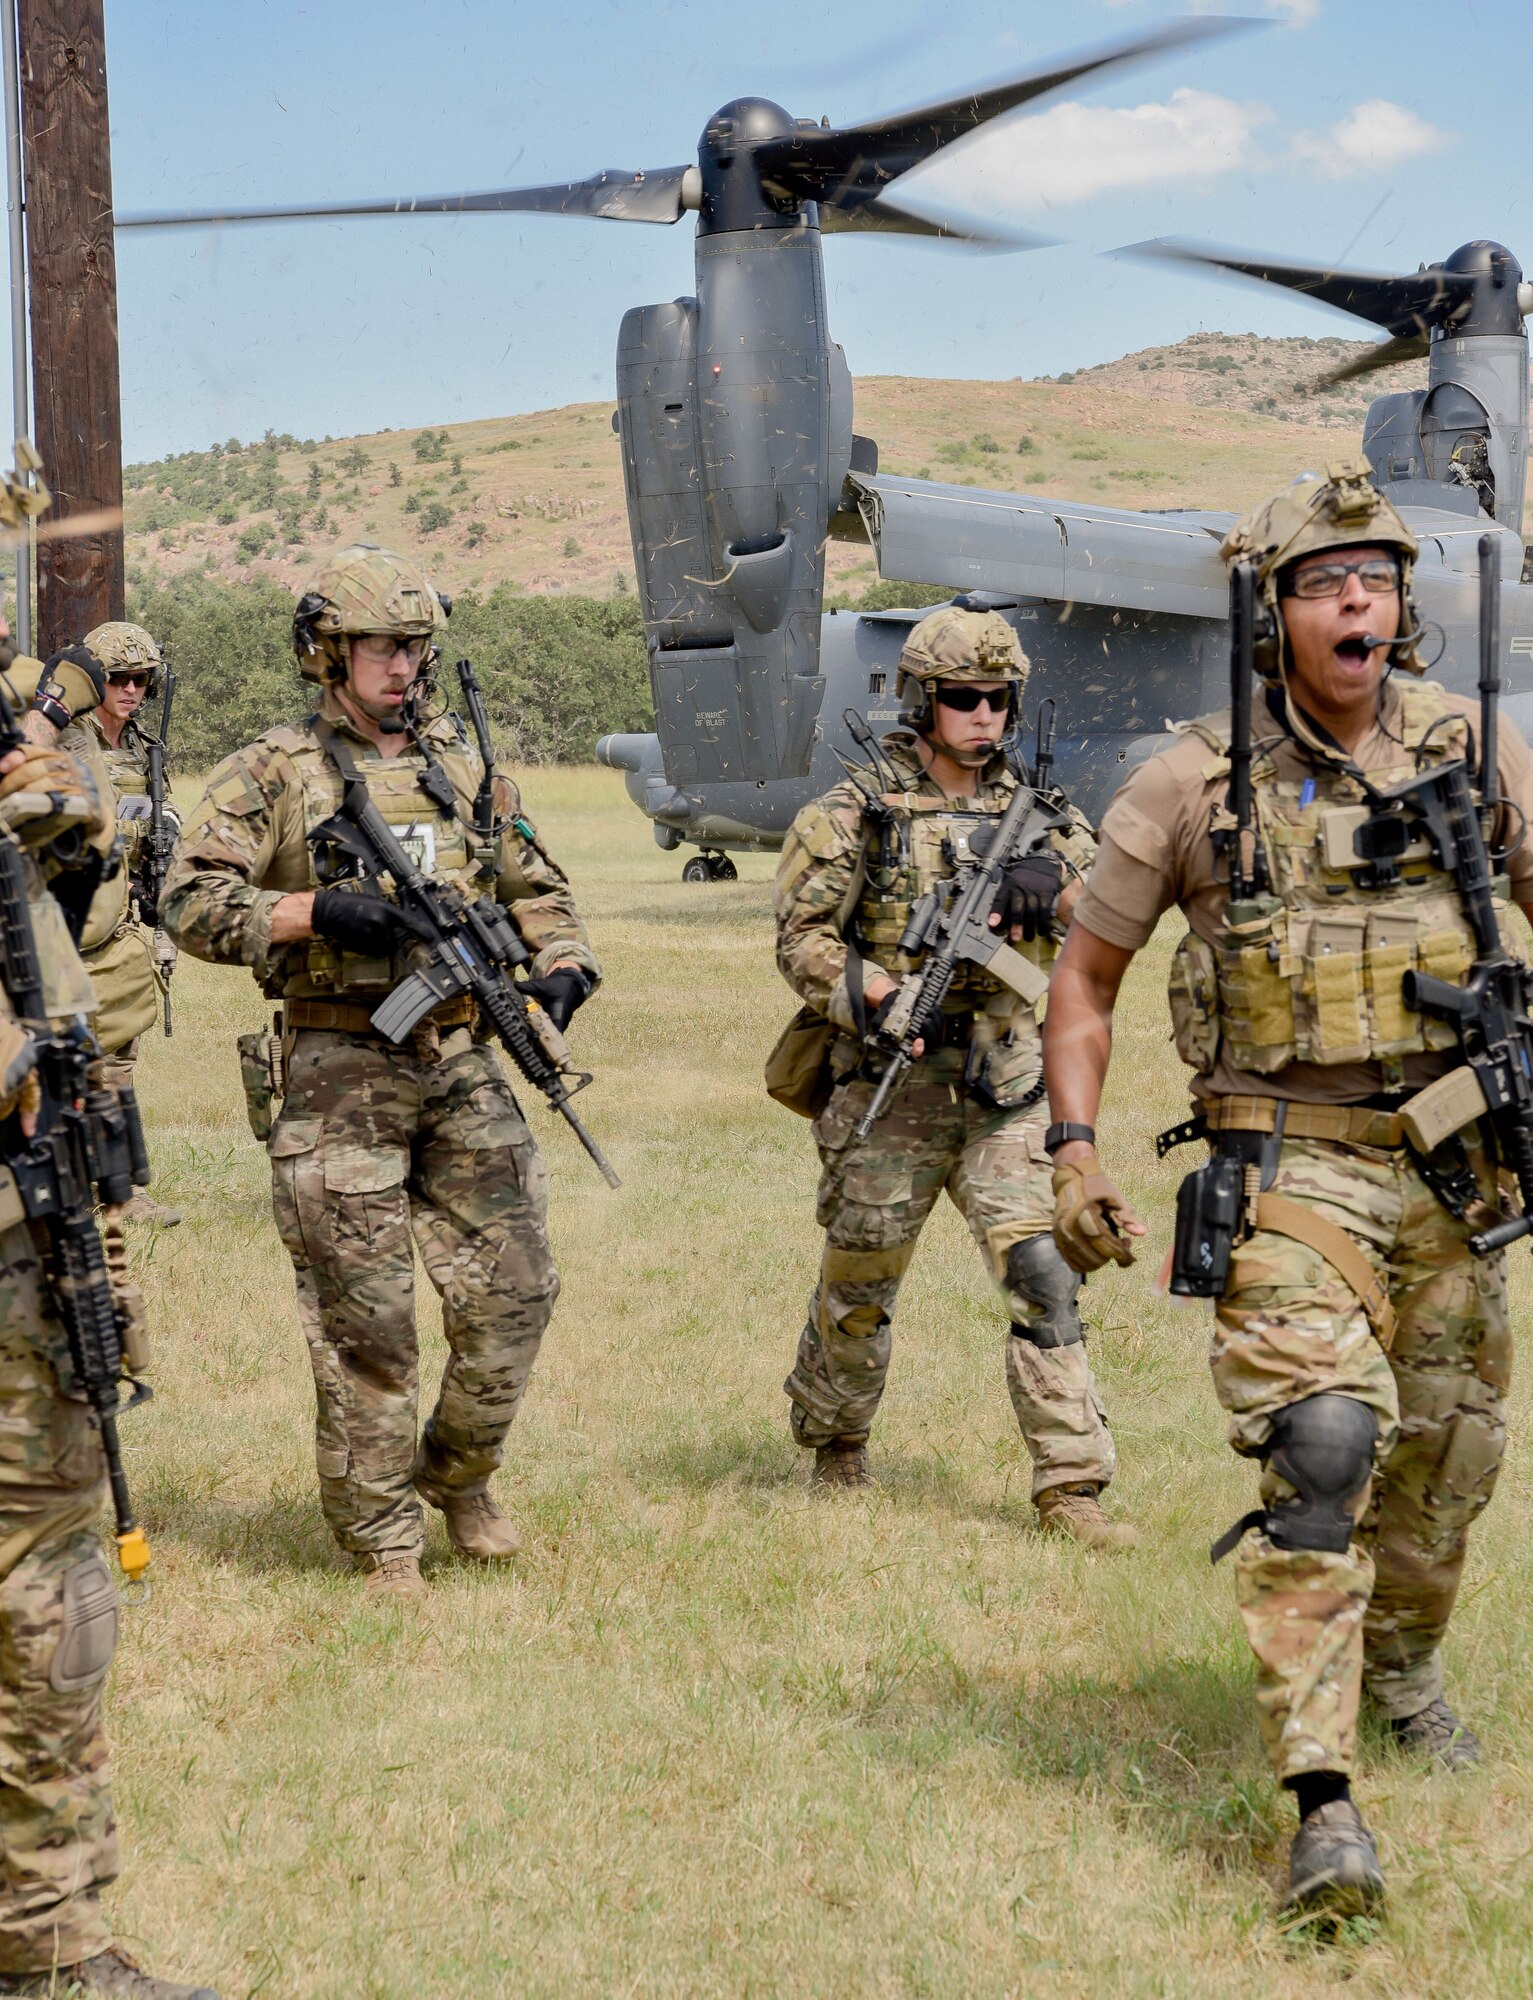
x: 1123, y: 612
x: 740, y: 459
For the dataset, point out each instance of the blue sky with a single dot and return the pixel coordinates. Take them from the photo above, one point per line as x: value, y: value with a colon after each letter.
x: 1385, y: 131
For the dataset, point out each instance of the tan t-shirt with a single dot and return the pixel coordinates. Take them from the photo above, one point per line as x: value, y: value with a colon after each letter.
x: 1155, y: 850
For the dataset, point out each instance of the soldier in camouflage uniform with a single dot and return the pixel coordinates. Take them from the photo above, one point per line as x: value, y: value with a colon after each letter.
x: 58, y: 1603
x: 969, y: 1117
x: 382, y: 1149
x: 1361, y: 1353
x: 127, y: 961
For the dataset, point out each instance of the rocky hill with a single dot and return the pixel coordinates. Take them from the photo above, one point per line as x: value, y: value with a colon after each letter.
x: 537, y: 501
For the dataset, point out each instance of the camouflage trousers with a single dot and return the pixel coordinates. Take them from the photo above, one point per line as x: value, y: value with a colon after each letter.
x: 376, y: 1155
x: 1323, y: 1626
x: 116, y: 1069
x: 874, y: 1199
x: 58, y: 1625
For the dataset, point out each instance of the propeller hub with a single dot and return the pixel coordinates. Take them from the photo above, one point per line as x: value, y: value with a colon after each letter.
x: 732, y: 194
x: 1496, y: 305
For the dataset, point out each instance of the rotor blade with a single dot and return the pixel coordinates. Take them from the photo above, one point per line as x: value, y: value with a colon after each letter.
x: 71, y: 528
x: 888, y: 218
x: 1403, y: 306
x: 838, y: 164
x: 614, y: 196
x: 1404, y: 347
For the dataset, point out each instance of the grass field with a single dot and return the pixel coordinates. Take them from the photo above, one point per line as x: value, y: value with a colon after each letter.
x: 715, y: 1735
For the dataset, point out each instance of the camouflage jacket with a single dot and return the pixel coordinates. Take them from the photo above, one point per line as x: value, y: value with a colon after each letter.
x: 246, y: 846
x: 819, y: 862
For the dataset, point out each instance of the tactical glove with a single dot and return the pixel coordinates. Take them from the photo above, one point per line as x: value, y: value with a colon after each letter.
x: 72, y: 683
x: 364, y: 922
x: 1091, y: 1218
x: 19, y: 1089
x: 59, y: 793
x: 1029, y: 891
x: 558, y: 993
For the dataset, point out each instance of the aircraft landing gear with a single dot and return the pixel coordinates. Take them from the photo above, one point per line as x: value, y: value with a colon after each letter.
x: 710, y: 868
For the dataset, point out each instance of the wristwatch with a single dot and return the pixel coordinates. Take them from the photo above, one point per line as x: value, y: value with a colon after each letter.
x: 1066, y: 1133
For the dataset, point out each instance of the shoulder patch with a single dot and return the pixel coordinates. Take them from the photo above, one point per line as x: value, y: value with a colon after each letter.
x: 825, y: 827
x: 233, y: 789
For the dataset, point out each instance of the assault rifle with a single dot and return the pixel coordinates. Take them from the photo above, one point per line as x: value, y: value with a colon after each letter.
x: 953, y: 925
x: 160, y: 842
x: 88, y: 1146
x: 1489, y: 1012
x: 469, y: 948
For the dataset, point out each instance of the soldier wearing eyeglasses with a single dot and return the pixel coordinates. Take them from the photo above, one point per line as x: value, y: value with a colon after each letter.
x: 1361, y: 1354
x: 970, y: 1117
x: 383, y: 1150
x: 118, y: 942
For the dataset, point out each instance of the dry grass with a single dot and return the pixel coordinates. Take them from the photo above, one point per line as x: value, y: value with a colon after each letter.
x: 713, y: 1736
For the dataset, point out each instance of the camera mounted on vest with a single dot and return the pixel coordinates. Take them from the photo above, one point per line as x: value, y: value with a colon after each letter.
x: 362, y: 589
x: 1343, y: 510
x: 957, y: 643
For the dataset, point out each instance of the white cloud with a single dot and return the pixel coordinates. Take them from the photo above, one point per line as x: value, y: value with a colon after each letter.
x: 1075, y: 151
x: 1373, y: 134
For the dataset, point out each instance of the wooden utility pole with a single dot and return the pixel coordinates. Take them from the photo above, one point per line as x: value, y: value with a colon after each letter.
x: 72, y: 271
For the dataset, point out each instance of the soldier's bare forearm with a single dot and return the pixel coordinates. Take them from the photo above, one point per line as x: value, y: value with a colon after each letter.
x: 1077, y: 1030
x: 292, y: 920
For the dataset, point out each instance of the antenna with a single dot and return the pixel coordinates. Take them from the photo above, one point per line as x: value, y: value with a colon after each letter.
x: 1043, y: 759
x: 1490, y: 674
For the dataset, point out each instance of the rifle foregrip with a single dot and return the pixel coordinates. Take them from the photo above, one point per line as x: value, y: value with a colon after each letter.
x: 1489, y: 1241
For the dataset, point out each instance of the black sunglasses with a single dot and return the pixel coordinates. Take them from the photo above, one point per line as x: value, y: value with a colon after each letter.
x: 967, y: 699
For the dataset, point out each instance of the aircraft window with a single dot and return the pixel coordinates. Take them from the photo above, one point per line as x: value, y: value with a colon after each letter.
x: 876, y: 682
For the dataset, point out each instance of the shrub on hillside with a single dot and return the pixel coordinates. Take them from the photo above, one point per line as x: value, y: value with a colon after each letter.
x: 557, y: 672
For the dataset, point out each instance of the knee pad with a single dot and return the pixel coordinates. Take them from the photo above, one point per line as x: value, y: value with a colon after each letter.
x: 88, y: 1627
x: 1323, y: 1447
x: 1035, y: 1270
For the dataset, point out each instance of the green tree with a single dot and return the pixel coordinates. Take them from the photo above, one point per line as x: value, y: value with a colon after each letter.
x: 435, y: 515
x: 355, y: 461
x: 394, y: 474
x: 557, y: 672
x: 428, y: 447
x: 315, y: 475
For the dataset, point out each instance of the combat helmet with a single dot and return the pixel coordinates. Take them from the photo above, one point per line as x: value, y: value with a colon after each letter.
x: 1344, y: 510
x: 362, y: 588
x: 120, y: 647
x: 956, y: 643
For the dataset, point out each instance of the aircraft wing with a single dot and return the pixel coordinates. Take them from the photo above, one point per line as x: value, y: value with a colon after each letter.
x: 1068, y: 551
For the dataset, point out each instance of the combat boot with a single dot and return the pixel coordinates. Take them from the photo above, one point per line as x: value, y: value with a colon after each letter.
x: 1436, y: 1733
x: 1076, y: 1511
x: 391, y: 1574
x: 111, y: 1972
x: 144, y: 1208
x: 476, y: 1527
x: 842, y: 1463
x: 1334, y: 1865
